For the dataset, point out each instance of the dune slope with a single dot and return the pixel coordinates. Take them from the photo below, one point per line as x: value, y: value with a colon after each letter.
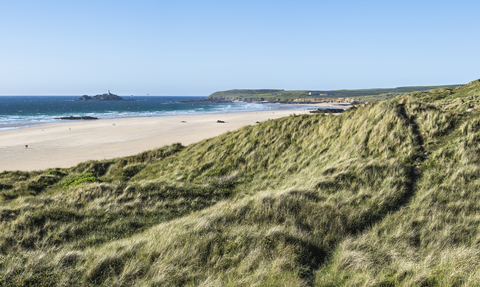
x: 384, y: 194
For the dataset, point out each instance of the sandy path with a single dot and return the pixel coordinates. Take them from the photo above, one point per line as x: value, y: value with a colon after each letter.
x: 67, y: 144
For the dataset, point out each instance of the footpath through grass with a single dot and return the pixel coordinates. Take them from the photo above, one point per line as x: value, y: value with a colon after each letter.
x: 435, y: 239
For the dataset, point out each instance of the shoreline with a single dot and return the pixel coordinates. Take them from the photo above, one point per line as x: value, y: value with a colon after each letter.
x: 67, y: 144
x: 23, y: 125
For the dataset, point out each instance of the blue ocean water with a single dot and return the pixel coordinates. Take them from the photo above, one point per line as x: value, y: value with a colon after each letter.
x: 24, y: 111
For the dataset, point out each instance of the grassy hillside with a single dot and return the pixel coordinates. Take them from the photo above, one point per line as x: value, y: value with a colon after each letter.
x: 371, y: 95
x: 384, y: 194
x: 434, y: 240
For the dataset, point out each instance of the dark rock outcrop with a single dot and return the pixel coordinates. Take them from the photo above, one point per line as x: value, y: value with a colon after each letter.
x: 85, y: 98
x: 77, y: 118
x: 327, y: 111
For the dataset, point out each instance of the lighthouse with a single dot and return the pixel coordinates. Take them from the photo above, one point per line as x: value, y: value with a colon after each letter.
x: 109, y: 92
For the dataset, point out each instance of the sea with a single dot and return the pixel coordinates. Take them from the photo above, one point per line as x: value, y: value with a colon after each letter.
x: 24, y: 111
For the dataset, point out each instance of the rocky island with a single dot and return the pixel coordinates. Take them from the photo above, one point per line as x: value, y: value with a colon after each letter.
x: 103, y: 97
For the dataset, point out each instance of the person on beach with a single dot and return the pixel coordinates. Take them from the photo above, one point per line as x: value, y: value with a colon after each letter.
x: 26, y: 146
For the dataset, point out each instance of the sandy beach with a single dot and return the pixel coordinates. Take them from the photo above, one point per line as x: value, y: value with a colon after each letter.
x: 67, y: 144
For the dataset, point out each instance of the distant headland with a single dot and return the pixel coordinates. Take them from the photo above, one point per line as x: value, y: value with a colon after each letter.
x: 103, y: 97
x: 316, y: 96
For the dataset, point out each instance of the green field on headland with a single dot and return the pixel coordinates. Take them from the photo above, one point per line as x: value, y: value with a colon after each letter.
x: 384, y: 194
x: 370, y: 95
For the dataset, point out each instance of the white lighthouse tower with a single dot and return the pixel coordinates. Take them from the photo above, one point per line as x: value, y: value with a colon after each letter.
x: 109, y: 92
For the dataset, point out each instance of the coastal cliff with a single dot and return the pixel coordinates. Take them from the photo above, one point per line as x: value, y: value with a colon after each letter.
x: 316, y: 96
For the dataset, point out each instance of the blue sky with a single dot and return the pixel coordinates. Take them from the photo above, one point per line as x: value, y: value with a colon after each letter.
x: 198, y: 47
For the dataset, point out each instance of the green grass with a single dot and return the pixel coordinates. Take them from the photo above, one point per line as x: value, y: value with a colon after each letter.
x: 433, y: 241
x: 309, y: 200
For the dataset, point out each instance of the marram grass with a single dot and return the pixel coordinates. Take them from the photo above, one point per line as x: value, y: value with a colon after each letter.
x: 382, y: 195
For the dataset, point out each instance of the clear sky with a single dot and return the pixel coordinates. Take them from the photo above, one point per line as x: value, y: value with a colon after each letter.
x: 182, y: 47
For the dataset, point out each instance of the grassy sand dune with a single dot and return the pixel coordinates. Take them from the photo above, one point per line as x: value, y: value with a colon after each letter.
x: 384, y: 194
x: 434, y: 240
